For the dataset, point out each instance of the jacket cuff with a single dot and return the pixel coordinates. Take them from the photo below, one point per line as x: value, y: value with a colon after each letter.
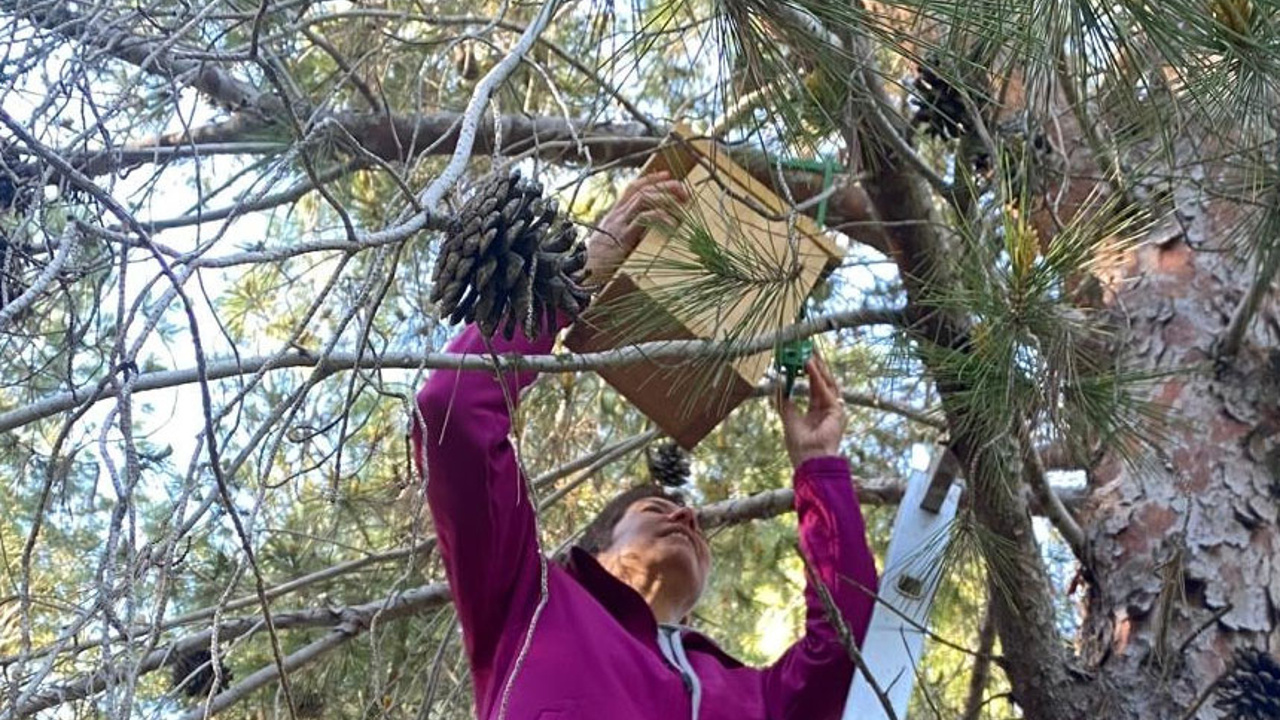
x: 830, y: 467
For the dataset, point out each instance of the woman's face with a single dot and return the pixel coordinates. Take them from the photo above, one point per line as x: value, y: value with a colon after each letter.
x: 665, y: 538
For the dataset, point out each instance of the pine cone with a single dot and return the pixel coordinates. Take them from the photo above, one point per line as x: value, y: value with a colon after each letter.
x: 8, y: 192
x: 668, y: 464
x: 1251, y: 688
x: 938, y: 106
x: 510, y: 256
x: 18, y: 186
x: 194, y: 673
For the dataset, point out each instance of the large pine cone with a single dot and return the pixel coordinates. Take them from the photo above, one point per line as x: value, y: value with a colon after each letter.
x: 668, y: 464
x: 194, y: 673
x: 510, y: 260
x: 1251, y: 689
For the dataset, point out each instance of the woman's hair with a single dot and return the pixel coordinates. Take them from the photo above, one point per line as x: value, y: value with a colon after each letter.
x: 598, y: 536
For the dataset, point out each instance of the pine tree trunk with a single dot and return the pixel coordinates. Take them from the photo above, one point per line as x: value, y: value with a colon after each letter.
x: 1187, y: 545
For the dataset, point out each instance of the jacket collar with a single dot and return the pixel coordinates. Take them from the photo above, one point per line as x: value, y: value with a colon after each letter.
x: 620, y: 599
x: 630, y: 609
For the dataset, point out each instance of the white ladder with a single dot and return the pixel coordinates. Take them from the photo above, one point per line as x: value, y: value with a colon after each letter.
x: 895, y: 643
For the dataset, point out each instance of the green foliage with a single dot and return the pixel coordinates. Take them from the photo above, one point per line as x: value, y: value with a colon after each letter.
x: 1033, y: 351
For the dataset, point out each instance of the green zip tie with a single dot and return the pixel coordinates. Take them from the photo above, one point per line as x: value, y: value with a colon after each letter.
x: 827, y: 167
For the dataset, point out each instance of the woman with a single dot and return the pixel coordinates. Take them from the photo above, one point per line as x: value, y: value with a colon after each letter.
x: 599, y: 636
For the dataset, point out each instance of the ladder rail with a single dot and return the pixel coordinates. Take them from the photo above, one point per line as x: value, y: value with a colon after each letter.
x: 894, y: 643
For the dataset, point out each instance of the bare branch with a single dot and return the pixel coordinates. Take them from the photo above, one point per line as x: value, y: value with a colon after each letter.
x: 149, y: 55
x: 402, y: 138
x: 349, y: 622
x: 1058, y: 514
x: 67, y: 246
x: 338, y: 361
x: 435, y: 191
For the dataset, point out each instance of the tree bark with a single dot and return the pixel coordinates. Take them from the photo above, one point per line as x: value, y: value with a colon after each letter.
x: 1186, y: 545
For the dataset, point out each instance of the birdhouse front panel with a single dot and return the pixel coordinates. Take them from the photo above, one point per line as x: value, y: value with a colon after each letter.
x: 733, y: 268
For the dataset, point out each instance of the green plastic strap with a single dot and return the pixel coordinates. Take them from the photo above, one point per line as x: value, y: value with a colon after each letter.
x: 826, y: 166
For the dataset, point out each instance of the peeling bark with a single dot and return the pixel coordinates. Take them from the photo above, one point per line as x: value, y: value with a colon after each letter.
x: 1187, y: 545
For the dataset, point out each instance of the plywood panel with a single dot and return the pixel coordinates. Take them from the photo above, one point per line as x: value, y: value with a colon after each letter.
x: 664, y: 291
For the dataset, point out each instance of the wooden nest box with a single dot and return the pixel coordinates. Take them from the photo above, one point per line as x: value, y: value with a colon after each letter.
x: 731, y: 270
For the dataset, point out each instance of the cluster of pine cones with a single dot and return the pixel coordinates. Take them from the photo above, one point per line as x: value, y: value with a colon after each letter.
x: 509, y: 260
x: 1251, y: 689
x: 668, y: 464
x: 940, y: 107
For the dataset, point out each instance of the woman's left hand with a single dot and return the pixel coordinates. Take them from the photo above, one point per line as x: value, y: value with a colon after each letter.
x: 648, y: 200
x: 816, y: 432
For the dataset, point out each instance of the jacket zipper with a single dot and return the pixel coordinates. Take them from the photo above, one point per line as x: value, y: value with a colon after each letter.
x: 672, y: 646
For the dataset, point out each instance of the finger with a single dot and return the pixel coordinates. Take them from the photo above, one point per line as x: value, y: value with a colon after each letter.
x: 785, y: 406
x: 833, y: 387
x: 822, y: 389
x: 819, y: 398
x: 825, y: 369
x: 663, y: 185
x: 632, y: 235
x: 661, y: 195
x: 672, y: 188
x: 622, y: 216
x: 644, y: 181
x: 659, y: 218
x: 670, y: 192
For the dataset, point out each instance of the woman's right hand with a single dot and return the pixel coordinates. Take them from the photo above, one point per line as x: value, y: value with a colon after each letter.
x: 818, y: 431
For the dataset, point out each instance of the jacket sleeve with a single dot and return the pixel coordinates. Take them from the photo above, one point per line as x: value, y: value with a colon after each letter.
x: 484, y: 524
x: 811, y: 680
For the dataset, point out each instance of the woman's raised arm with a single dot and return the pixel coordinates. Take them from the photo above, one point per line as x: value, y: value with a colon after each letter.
x: 476, y: 492
x: 475, y: 487
x: 812, y: 678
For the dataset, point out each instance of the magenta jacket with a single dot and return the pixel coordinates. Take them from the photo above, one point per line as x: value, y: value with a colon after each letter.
x: 596, y: 650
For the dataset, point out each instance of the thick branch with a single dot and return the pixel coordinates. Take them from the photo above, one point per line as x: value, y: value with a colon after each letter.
x: 394, y: 606
x: 403, y: 138
x: 899, y: 188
